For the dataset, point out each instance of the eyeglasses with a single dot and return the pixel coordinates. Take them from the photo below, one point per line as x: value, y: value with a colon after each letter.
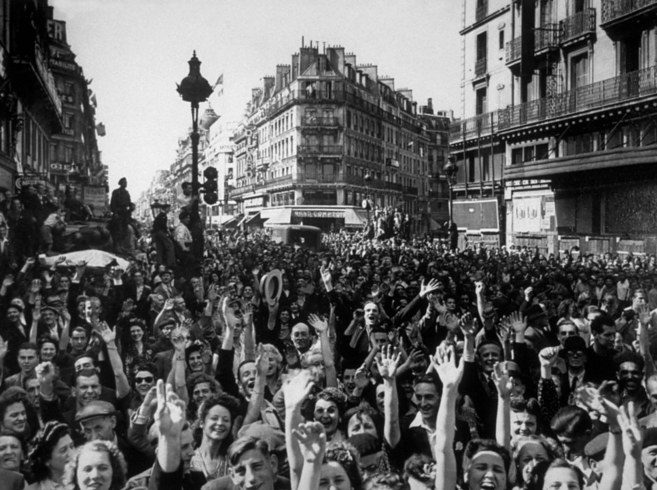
x: 575, y: 353
x: 145, y: 379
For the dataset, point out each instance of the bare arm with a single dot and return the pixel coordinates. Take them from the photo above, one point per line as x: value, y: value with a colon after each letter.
x: 321, y: 326
x: 258, y: 395
x: 109, y: 337
x: 295, y: 391
x: 388, y: 371
x: 312, y: 441
x: 450, y: 374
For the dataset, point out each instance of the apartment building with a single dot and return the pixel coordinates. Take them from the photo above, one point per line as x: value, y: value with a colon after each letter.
x: 578, y: 126
x: 327, y: 141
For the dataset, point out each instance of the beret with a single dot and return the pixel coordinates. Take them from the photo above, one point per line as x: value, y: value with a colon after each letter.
x: 597, y: 446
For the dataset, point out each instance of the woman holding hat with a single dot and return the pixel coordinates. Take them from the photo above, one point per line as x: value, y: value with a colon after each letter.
x: 52, y: 449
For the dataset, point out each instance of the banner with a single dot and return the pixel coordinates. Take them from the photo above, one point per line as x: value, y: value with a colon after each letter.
x: 527, y: 215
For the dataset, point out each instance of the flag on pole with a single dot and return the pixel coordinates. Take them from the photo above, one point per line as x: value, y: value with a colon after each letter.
x: 219, y: 85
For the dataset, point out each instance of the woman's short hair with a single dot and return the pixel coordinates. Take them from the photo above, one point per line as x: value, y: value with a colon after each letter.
x: 119, y: 468
x: 537, y: 478
x: 330, y: 394
x: 419, y: 466
x: 346, y: 456
x: 476, y: 446
x: 227, y: 401
x: 43, y: 444
x: 10, y: 396
x: 386, y: 481
x: 571, y: 421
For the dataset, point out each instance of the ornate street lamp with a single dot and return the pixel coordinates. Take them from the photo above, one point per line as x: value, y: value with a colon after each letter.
x: 195, y: 89
x: 450, y: 170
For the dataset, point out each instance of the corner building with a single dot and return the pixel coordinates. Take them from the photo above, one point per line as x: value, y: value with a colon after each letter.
x: 575, y: 122
x: 315, y: 130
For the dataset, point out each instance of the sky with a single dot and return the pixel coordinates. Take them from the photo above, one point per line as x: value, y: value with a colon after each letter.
x: 135, y: 51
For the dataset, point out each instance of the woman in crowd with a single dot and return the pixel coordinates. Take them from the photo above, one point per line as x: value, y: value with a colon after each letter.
x: 219, y: 419
x: 135, y: 347
x: 12, y: 451
x: 328, y: 409
x: 98, y: 465
x: 16, y: 414
x: 52, y: 449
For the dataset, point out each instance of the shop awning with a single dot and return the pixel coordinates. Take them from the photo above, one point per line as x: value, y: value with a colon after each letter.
x: 229, y: 221
x: 252, y: 219
x: 354, y: 218
x: 280, y: 217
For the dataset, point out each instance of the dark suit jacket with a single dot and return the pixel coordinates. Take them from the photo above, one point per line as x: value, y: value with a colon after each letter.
x: 12, y: 480
x: 142, y: 306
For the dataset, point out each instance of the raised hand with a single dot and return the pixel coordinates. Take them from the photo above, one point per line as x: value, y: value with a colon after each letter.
x: 178, y: 339
x: 3, y: 349
x: 35, y: 287
x: 630, y: 430
x: 502, y: 380
x: 326, y: 277
x: 312, y: 441
x: 170, y: 413
x: 319, y: 324
x: 517, y: 322
x: 7, y: 281
x: 388, y: 363
x: 468, y: 325
x: 444, y: 363
x: 429, y: 287
x: 262, y: 361
x: 644, y: 314
x: 149, y: 404
x: 361, y: 377
x: 45, y: 372
x: 107, y: 334
x: 479, y: 287
x: 297, y: 389
x: 548, y: 356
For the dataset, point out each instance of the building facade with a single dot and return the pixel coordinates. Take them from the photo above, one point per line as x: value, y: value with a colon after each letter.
x: 76, y: 164
x: 219, y: 154
x: 324, y: 137
x: 577, y: 127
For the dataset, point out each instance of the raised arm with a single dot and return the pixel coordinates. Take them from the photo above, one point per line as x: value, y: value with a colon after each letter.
x: 631, y: 440
x: 36, y: 316
x: 258, y: 395
x: 295, y: 391
x: 109, y: 337
x: 503, y: 419
x: 177, y: 375
x: 450, y: 374
x: 644, y: 340
x: 312, y: 442
x: 169, y: 420
x: 321, y: 326
x: 388, y: 371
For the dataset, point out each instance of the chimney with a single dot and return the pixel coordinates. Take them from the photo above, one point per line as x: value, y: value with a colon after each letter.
x: 350, y: 58
x: 307, y: 56
x: 430, y: 104
x: 370, y: 70
x: 406, y: 92
x: 295, y: 67
x: 389, y: 81
x: 336, y: 57
x: 269, y: 84
x: 282, y: 77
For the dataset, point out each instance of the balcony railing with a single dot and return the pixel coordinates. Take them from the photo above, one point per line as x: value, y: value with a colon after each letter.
x: 615, y: 9
x: 481, y: 125
x: 481, y: 65
x: 319, y: 150
x: 546, y: 37
x: 578, y: 25
x: 596, y: 95
x: 320, y: 121
x: 513, y: 50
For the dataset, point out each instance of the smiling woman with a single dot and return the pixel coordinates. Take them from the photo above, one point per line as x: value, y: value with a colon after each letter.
x: 98, y: 465
x: 219, y: 418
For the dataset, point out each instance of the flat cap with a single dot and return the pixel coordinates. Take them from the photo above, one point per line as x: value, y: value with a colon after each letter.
x: 96, y: 408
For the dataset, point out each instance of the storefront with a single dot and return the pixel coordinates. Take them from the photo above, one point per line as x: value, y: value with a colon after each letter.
x: 324, y: 217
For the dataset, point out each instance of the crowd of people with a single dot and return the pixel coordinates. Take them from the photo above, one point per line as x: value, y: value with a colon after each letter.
x: 369, y: 363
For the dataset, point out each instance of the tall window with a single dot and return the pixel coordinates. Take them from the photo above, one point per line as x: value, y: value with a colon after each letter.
x: 482, y: 43
x: 482, y: 101
x: 579, y: 71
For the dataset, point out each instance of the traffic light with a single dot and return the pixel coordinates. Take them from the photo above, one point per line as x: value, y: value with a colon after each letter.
x: 210, y: 185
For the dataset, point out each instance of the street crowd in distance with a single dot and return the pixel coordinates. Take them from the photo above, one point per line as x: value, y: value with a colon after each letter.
x: 383, y: 363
